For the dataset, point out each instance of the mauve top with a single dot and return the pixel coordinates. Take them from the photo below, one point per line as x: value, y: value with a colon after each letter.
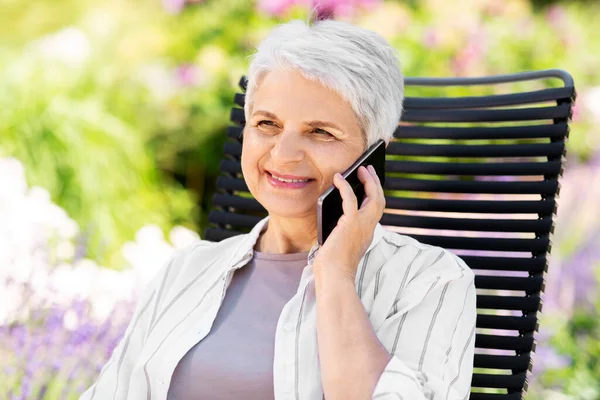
x: 235, y: 360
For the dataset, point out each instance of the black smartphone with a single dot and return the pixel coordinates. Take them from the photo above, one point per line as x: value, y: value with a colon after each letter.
x: 329, y: 205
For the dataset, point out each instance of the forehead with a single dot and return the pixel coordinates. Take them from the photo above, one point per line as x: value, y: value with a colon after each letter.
x: 290, y: 95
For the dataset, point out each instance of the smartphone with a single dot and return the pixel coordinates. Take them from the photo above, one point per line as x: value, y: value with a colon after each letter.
x: 329, y: 205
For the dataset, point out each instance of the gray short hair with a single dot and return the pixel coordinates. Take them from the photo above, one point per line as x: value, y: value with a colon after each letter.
x: 356, y: 63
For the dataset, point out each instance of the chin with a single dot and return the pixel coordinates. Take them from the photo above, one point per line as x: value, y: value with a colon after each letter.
x: 292, y: 211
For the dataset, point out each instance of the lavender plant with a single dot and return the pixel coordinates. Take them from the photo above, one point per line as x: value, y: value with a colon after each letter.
x: 61, y: 315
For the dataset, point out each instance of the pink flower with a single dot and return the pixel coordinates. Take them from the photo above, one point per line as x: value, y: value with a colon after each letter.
x: 332, y: 8
x: 173, y: 6
x: 470, y: 55
x: 187, y: 75
x: 556, y: 16
x: 323, y: 8
x: 431, y: 38
x: 278, y: 7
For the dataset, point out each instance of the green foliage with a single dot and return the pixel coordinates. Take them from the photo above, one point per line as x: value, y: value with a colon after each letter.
x: 119, y: 108
x: 128, y: 104
x: 577, y: 339
x: 91, y: 159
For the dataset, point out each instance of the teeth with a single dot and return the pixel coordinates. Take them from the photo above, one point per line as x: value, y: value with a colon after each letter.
x: 289, y: 180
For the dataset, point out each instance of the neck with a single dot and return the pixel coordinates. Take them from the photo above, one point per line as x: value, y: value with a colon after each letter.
x: 288, y: 235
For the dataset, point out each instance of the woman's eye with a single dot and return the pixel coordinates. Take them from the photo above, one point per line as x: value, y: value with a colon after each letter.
x: 322, y: 132
x: 264, y: 122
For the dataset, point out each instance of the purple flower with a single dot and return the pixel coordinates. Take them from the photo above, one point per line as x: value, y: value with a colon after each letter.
x: 8, y: 370
x: 571, y: 280
x: 20, y: 333
x: 46, y: 351
x: 546, y: 358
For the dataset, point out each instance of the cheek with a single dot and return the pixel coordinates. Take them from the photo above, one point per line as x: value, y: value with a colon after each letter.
x: 333, y: 161
x: 248, y: 162
x: 336, y: 160
x: 252, y: 151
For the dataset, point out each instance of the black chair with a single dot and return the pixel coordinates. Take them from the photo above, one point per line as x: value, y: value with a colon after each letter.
x: 474, y: 174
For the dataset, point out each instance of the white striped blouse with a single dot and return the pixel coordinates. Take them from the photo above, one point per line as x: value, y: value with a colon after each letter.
x: 420, y: 300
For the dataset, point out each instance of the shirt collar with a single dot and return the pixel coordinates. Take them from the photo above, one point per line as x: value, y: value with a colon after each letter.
x: 246, y: 248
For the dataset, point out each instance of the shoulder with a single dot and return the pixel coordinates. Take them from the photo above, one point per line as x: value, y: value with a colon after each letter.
x: 199, y: 258
x: 405, y: 258
x: 401, y: 273
x: 203, y: 249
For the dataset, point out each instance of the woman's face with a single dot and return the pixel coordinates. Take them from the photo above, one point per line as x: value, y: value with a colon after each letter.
x: 299, y: 134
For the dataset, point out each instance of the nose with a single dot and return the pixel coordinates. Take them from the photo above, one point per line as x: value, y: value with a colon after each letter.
x: 288, y: 147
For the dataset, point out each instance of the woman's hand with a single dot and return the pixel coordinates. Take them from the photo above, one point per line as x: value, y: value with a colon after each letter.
x: 350, y: 239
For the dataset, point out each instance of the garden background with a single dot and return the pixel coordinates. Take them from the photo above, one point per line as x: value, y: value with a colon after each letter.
x: 112, y: 120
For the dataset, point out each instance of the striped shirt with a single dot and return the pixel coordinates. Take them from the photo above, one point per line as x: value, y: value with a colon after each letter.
x: 420, y: 300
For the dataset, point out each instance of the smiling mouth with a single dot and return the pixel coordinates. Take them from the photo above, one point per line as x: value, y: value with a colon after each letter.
x: 288, y: 180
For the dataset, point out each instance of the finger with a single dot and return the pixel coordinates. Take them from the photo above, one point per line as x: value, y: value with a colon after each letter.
x: 372, y: 190
x: 374, y: 203
x: 379, y: 185
x: 373, y: 172
x: 349, y: 201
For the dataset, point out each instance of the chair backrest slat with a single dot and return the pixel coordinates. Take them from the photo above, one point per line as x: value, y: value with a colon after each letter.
x: 530, y: 304
x: 474, y: 169
x: 542, y: 131
x: 469, y: 224
x: 477, y: 175
x: 477, y: 150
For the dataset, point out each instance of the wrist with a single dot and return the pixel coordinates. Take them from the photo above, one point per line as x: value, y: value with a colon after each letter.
x: 333, y: 275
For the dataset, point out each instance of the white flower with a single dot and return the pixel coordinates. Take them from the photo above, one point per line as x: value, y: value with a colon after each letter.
x: 181, y: 237
x: 591, y: 101
x: 148, y: 253
x: 72, y: 282
x: 149, y: 235
x: 69, y: 45
x: 10, y: 300
x: 160, y: 81
x: 111, y: 287
x: 102, y: 307
x: 65, y: 250
x: 34, y: 229
x: 12, y: 177
x: 70, y: 320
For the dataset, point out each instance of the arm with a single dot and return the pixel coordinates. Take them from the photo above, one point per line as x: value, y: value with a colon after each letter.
x: 427, y: 327
x: 422, y: 350
x: 352, y: 357
x: 430, y: 331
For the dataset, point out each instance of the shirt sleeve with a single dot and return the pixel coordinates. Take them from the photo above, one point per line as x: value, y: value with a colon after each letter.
x: 430, y: 331
x: 113, y: 381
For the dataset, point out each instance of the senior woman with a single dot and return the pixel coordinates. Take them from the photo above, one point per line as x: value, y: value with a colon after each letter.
x: 271, y: 314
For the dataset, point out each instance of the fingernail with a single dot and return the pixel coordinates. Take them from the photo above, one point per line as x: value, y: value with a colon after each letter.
x: 372, y: 170
x: 338, y: 175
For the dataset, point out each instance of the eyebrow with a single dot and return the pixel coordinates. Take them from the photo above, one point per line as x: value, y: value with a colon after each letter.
x: 314, y: 123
